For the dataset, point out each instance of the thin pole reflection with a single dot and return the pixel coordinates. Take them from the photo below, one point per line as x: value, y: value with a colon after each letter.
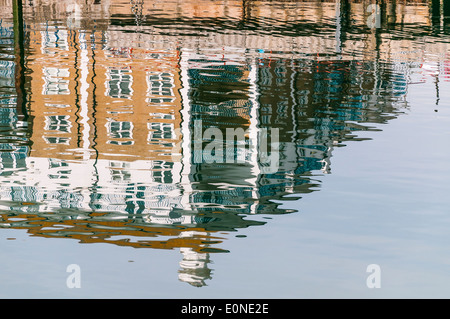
x: 19, y: 59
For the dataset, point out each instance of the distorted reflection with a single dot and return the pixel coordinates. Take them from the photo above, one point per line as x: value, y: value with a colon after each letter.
x: 107, y: 150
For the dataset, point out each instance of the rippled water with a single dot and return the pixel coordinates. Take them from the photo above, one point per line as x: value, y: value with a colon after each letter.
x: 113, y: 130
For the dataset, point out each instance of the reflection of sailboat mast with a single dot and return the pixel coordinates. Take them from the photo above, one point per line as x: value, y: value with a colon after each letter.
x: 77, y: 75
x: 19, y: 60
x: 338, y: 27
x: 137, y: 9
x: 435, y: 12
x: 84, y: 95
x: 342, y: 24
x: 82, y: 116
x: 446, y: 13
x: 94, y: 119
x: 377, y: 71
x: 437, y: 83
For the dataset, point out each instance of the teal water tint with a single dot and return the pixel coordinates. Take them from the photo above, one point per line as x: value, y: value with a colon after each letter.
x: 126, y: 147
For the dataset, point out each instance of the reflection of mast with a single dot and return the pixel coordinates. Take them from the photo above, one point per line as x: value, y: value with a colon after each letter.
x: 378, y: 42
x: 82, y: 64
x: 194, y: 266
x: 246, y: 11
x: 342, y: 23
x: 383, y: 12
x: 446, y: 13
x: 338, y: 27
x: 19, y: 60
x: 436, y: 15
x: 77, y: 94
x: 392, y: 16
x: 437, y: 83
x: 94, y: 119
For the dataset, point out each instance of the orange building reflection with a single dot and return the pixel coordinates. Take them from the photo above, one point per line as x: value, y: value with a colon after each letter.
x: 115, y: 102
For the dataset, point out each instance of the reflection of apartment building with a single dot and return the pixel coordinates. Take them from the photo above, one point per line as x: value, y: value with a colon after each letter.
x: 114, y: 99
x: 105, y: 100
x: 113, y: 110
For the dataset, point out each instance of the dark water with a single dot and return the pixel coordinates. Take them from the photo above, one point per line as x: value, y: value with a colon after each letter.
x: 113, y: 130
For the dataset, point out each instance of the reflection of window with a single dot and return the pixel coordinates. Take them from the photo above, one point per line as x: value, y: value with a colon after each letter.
x: 54, y: 82
x: 60, y: 174
x: 56, y: 140
x: 54, y: 38
x: 8, y: 115
x: 120, y: 130
x: 121, y: 142
x: 160, y: 87
x: 59, y: 123
x: 158, y: 131
x: 266, y: 77
x: 7, y: 71
x: 119, y: 171
x: 119, y: 83
x: 54, y: 163
x: 12, y: 158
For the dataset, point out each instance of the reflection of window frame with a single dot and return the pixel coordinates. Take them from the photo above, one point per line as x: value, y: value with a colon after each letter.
x: 113, y: 142
x: 54, y: 84
x: 160, y: 87
x: 60, y: 123
x: 58, y: 140
x: 56, y: 163
x: 160, y: 127
x: 119, y: 171
x: 13, y: 159
x: 123, y: 76
x: 120, y: 135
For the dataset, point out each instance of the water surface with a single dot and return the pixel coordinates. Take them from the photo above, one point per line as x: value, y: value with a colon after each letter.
x: 106, y: 161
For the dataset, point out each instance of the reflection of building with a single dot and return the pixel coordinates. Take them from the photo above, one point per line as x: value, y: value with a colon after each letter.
x: 112, y: 101
x: 111, y: 157
x: 194, y: 266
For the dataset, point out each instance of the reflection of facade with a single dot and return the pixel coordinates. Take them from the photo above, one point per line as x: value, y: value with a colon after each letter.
x: 111, y: 101
x: 113, y: 157
x: 14, y: 143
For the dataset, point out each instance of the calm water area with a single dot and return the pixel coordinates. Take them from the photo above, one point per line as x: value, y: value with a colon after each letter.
x: 120, y: 178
